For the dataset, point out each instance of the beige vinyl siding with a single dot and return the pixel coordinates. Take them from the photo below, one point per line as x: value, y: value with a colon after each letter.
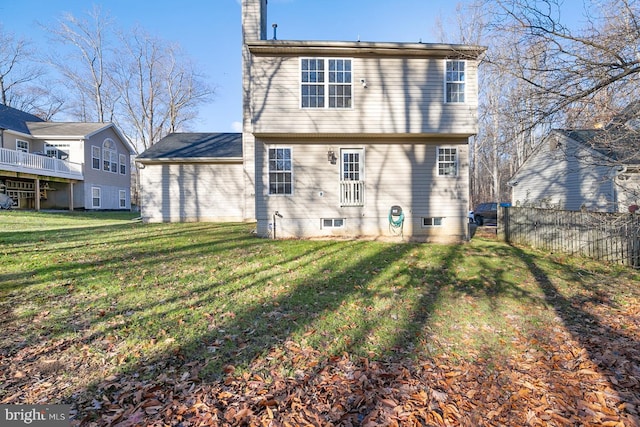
x: 399, y: 173
x: 184, y: 192
x: 403, y: 95
x: 555, y: 178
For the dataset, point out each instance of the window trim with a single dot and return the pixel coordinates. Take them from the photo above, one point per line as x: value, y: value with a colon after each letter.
x: 98, y: 158
x: 290, y: 171
x: 326, y: 84
x: 463, y: 81
x: 109, y: 156
x: 122, y: 198
x: 434, y: 221
x: 93, y: 198
x: 22, y: 150
x: 122, y: 163
x: 332, y: 224
x: 455, y: 162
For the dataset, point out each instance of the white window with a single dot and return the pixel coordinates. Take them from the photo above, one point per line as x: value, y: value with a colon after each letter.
x: 352, y: 177
x: 95, y: 157
x: 109, y: 156
x: 447, y: 161
x: 96, y: 197
x: 332, y: 222
x: 58, y: 151
x: 123, y: 198
x: 325, y: 83
x: 455, y: 81
x: 22, y: 146
x: 432, y: 222
x: 123, y: 164
x: 280, y: 171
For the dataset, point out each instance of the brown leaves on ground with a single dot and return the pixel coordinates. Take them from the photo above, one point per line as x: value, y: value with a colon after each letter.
x: 584, y: 373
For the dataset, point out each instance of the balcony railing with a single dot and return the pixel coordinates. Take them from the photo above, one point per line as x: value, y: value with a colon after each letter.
x: 18, y: 161
x: 351, y: 193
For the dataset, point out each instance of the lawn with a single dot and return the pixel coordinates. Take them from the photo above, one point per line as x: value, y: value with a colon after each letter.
x: 206, y: 324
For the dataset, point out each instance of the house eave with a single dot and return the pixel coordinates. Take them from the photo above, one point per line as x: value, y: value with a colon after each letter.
x: 341, y: 48
x: 165, y: 160
x: 361, y: 136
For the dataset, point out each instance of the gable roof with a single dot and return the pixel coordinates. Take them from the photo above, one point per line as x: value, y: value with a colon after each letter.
x: 619, y: 144
x: 16, y: 120
x: 195, y: 147
x: 67, y: 130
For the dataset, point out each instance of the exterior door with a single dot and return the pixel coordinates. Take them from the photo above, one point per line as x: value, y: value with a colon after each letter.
x: 352, y: 177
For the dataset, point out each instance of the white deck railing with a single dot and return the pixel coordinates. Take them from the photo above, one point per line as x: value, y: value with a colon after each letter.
x: 19, y: 161
x: 351, y: 193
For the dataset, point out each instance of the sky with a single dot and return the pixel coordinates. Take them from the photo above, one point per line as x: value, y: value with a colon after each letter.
x: 209, y: 31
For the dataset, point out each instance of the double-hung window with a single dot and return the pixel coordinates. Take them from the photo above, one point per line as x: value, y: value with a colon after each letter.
x: 325, y: 83
x: 22, y: 146
x: 447, y: 161
x: 280, y: 171
x: 96, y: 197
x: 95, y: 157
x: 455, y: 81
x: 123, y: 164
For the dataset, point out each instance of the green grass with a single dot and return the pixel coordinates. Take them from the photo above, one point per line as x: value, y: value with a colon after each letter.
x: 105, y: 294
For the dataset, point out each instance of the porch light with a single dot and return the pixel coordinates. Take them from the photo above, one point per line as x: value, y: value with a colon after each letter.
x: 331, y: 157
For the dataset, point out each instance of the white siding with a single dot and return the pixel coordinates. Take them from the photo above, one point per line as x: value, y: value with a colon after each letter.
x: 403, y: 95
x: 399, y: 173
x: 182, y: 192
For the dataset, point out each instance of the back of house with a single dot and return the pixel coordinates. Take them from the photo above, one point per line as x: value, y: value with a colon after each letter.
x: 357, y: 139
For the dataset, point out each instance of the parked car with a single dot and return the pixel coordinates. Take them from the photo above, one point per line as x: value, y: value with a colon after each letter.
x: 487, y: 213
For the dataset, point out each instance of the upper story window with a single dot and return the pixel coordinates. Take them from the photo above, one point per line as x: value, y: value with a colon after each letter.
x: 123, y: 164
x: 447, y: 161
x: 109, y: 156
x: 325, y: 83
x: 280, y: 171
x: 95, y: 157
x: 22, y: 146
x: 455, y: 81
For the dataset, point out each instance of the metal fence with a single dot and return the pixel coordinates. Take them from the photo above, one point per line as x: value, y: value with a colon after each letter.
x: 610, y: 237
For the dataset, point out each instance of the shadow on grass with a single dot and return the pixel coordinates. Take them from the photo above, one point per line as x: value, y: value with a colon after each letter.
x: 209, y: 316
x: 614, y: 353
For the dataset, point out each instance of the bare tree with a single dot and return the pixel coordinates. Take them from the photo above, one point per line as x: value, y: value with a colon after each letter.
x: 19, y: 73
x: 567, y: 68
x: 82, y: 61
x: 160, y: 88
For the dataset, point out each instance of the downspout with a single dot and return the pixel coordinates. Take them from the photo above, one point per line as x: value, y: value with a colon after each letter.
x: 2, y: 137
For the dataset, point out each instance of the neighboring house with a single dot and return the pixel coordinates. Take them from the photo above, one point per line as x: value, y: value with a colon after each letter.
x: 336, y: 134
x: 48, y: 165
x: 593, y: 169
x: 193, y: 177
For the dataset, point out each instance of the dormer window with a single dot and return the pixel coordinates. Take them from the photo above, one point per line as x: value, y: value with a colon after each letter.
x: 325, y: 83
